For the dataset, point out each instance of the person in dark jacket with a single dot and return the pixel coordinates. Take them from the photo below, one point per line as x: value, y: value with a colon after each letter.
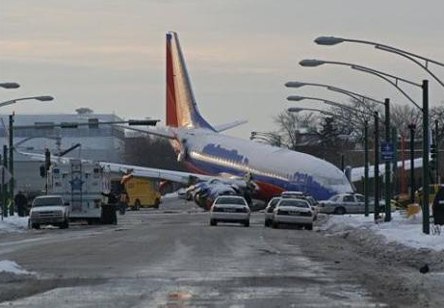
x: 109, y: 210
x: 21, y: 202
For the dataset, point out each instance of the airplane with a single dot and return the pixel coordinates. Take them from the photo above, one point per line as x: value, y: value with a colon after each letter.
x: 205, y: 151
x: 264, y: 170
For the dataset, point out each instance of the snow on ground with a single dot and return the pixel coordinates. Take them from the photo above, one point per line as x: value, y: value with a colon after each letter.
x: 402, y: 230
x: 13, y: 224
x: 12, y: 267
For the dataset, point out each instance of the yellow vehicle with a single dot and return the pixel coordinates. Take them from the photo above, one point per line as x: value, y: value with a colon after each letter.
x: 142, y: 192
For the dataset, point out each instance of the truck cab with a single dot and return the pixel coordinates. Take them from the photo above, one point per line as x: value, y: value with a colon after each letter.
x: 49, y: 210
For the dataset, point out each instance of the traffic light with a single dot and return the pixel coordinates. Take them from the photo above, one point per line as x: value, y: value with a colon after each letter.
x: 433, y: 156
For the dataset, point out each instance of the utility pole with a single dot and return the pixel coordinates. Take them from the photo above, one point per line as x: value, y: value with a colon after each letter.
x: 4, y: 186
x: 425, y: 158
x: 412, y: 128
x: 387, y: 190
x: 376, y: 175
x: 11, y: 163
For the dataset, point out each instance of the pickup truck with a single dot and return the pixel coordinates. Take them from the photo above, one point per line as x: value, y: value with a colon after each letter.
x: 349, y: 203
x: 49, y: 210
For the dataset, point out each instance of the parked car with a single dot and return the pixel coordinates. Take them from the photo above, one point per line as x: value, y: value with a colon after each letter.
x: 301, y: 195
x: 347, y: 203
x: 269, y: 210
x: 294, y: 211
x: 49, y: 210
x: 230, y: 208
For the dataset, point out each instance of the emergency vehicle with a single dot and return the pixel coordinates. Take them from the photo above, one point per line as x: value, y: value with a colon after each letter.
x: 81, y: 184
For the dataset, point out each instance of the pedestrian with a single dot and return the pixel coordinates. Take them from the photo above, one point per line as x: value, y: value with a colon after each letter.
x: 21, y: 202
x: 109, y: 210
x: 123, y: 202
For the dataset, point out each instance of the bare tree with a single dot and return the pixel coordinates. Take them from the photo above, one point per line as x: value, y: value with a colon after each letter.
x: 289, y: 124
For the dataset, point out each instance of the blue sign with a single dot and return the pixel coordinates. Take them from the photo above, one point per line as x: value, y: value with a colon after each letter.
x: 387, y: 151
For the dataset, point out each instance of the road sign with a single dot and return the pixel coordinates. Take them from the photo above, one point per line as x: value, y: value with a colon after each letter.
x: 387, y: 151
x: 5, y: 175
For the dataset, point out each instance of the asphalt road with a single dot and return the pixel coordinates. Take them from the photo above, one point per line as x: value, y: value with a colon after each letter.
x: 171, y: 257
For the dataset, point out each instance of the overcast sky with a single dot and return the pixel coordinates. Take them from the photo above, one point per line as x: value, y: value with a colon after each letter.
x: 109, y: 55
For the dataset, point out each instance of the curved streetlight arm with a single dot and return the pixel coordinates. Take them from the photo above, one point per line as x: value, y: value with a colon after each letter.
x: 395, y: 84
x: 356, y: 96
x: 396, y: 78
x: 367, y: 70
x: 356, y: 66
x: 39, y: 98
x: 297, y: 109
x: 338, y: 105
x: 324, y: 40
x: 325, y: 101
x: 408, y: 56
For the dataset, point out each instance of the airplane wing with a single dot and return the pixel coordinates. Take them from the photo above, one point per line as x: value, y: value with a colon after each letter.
x: 162, y: 174
x: 223, y: 127
x: 203, y: 189
x: 157, y: 131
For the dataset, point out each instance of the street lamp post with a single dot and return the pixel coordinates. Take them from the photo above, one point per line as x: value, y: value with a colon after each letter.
x: 388, y: 78
x: 361, y: 98
x: 376, y: 175
x: 324, y: 40
x: 387, y: 194
x: 425, y: 158
x: 412, y: 128
x: 43, y: 98
x: 366, y: 156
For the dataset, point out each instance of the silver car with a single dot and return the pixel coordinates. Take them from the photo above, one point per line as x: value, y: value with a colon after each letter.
x: 293, y: 211
x: 230, y: 209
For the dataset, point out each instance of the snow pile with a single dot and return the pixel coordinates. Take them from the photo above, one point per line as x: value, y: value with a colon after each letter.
x: 13, y: 224
x: 400, y: 241
x: 12, y: 267
x: 402, y: 230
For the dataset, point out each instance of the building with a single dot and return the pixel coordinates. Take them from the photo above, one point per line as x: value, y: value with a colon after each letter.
x: 35, y: 133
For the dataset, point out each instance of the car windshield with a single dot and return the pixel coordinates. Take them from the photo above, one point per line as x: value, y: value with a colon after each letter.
x: 297, y: 203
x: 334, y: 198
x: 230, y: 200
x: 274, y: 201
x: 47, y: 201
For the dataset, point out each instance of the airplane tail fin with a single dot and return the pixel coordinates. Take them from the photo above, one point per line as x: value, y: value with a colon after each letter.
x: 181, y: 107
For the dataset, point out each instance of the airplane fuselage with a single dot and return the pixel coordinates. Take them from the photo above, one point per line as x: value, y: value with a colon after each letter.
x: 274, y: 169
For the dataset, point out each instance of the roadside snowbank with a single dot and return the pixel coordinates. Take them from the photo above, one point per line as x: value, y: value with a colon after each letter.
x: 402, y: 230
x: 12, y: 267
x: 14, y: 224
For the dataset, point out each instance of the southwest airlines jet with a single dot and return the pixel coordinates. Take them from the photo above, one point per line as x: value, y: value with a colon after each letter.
x: 205, y: 151
x: 223, y: 162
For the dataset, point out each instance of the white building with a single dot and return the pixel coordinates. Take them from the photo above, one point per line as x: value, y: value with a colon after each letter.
x: 32, y: 133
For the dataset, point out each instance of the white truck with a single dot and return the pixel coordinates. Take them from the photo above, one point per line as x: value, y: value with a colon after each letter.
x: 81, y: 184
x: 49, y: 210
